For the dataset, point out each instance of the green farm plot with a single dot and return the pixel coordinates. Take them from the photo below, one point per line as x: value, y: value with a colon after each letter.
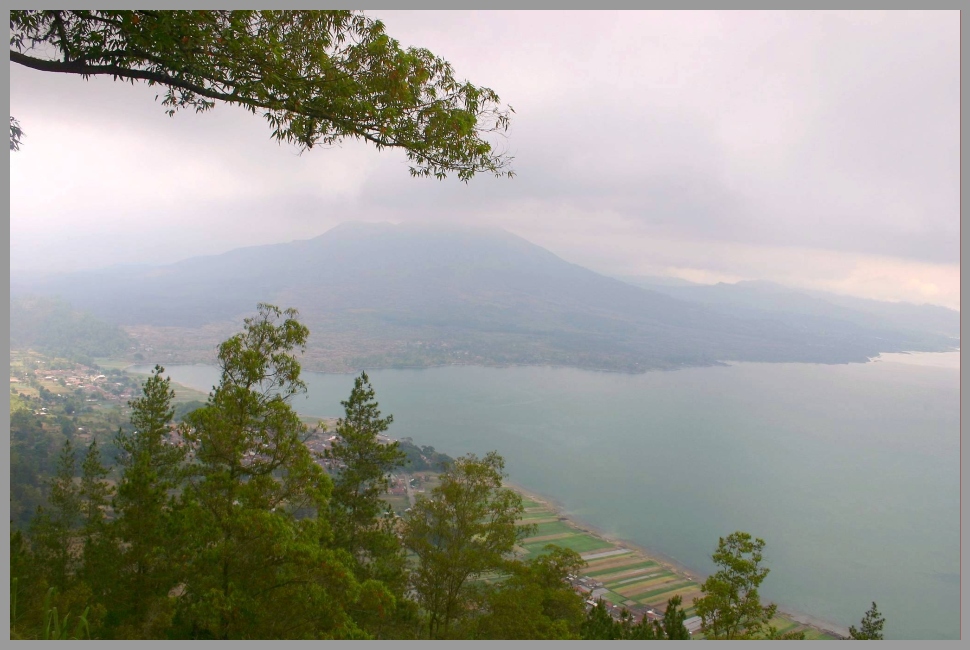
x: 614, y: 597
x: 535, y: 549
x: 811, y: 634
x: 553, y: 528
x: 782, y: 624
x: 638, y: 589
x: 605, y: 573
x: 639, y: 581
x: 661, y: 599
x: 637, y: 575
x: 549, y: 539
x: 399, y: 503
x: 580, y: 543
x: 530, y: 516
x: 669, y: 587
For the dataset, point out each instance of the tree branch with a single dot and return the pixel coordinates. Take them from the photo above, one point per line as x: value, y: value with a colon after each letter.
x: 62, y: 33
x: 74, y: 67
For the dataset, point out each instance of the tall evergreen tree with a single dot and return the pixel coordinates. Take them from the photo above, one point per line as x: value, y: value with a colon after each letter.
x: 870, y: 629
x: 672, y: 626
x: 53, y: 529
x: 363, y: 523
x: 68, y: 545
x: 599, y: 625
x: 98, y: 548
x: 151, y: 471
x: 252, y: 569
x: 639, y: 630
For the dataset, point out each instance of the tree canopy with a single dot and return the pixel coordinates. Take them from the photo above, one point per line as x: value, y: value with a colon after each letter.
x: 464, y: 529
x: 870, y: 629
x: 536, y: 600
x: 362, y: 523
x: 731, y: 607
x: 317, y: 77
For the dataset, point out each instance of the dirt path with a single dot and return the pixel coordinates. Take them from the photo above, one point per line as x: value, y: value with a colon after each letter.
x: 410, y: 491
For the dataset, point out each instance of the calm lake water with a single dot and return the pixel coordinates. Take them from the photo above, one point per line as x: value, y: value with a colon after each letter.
x: 850, y: 473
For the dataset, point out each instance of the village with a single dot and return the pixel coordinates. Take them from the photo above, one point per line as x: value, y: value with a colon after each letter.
x: 61, y: 378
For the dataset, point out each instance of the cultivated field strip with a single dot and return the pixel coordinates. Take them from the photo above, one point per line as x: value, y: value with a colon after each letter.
x: 628, y: 578
x: 547, y: 538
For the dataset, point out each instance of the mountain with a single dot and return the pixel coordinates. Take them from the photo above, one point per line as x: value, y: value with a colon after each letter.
x: 416, y: 295
x: 51, y: 326
x: 752, y: 298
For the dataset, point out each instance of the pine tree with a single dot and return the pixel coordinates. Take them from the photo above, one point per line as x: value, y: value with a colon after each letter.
x: 600, y: 626
x: 251, y: 568
x: 363, y: 523
x: 870, y: 627
x: 95, y: 496
x: 68, y: 547
x: 53, y: 529
x: 151, y: 471
x: 672, y: 626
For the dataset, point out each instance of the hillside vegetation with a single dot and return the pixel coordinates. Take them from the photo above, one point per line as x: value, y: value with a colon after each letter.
x: 52, y: 326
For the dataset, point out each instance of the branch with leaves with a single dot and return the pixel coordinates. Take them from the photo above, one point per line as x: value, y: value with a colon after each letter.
x: 317, y: 77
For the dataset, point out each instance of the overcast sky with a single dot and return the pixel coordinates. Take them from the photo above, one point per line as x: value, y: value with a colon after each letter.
x: 815, y: 149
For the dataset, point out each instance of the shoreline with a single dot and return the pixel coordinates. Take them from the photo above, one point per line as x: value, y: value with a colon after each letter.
x: 607, y: 370
x: 559, y: 508
x: 826, y: 627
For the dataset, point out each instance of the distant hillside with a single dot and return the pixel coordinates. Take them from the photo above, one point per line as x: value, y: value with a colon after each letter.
x: 383, y: 295
x: 753, y: 298
x: 53, y: 327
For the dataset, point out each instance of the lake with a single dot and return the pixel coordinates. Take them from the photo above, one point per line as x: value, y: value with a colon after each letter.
x: 850, y: 473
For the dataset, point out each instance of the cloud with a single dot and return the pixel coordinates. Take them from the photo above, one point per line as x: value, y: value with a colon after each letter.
x: 718, y: 144
x: 829, y: 130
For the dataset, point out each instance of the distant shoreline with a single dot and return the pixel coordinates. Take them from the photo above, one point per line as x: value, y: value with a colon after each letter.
x: 883, y: 357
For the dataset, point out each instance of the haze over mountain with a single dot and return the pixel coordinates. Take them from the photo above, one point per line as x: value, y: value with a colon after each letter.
x: 758, y: 297
x: 50, y: 326
x: 416, y: 295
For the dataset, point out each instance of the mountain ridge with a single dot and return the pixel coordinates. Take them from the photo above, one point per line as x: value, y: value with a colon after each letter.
x: 769, y: 296
x: 379, y: 294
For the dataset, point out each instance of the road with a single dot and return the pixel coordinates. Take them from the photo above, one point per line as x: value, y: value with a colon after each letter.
x: 407, y: 486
